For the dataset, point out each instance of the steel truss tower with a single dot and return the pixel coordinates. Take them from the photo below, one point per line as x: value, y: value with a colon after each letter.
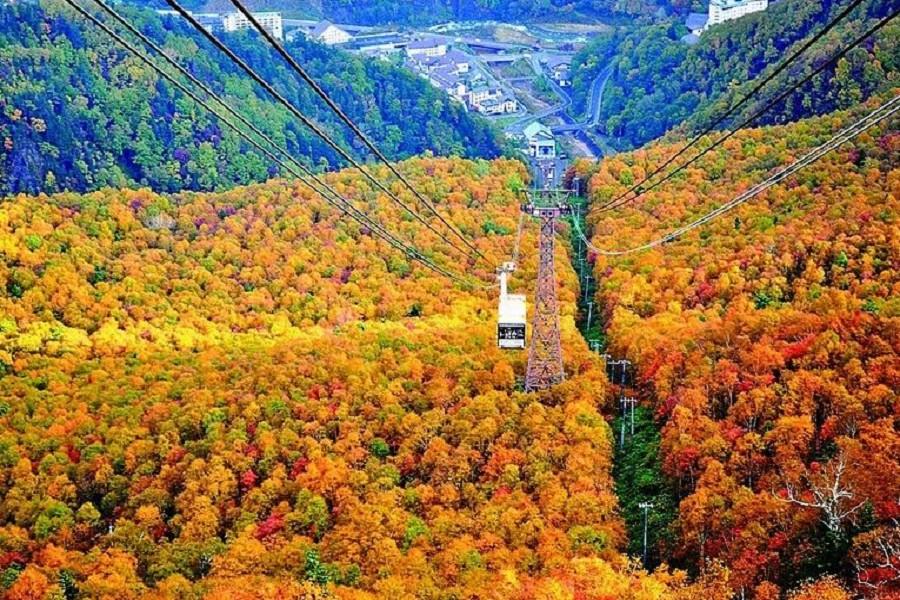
x: 545, y: 365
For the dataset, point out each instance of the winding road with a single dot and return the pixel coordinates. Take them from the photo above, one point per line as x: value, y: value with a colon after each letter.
x: 598, y: 86
x: 569, y: 127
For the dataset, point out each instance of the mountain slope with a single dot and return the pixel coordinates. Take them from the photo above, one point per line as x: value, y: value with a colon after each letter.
x: 238, y: 395
x: 78, y: 113
x: 767, y: 347
x: 658, y: 82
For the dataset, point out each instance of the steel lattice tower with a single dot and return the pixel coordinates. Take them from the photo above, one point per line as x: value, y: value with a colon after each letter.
x: 545, y: 365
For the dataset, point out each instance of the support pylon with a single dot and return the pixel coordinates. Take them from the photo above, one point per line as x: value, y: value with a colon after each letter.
x: 545, y: 365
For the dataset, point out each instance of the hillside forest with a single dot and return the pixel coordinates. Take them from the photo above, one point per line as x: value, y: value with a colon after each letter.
x: 240, y: 395
x: 206, y: 394
x: 765, y: 349
x: 214, y: 385
x: 78, y: 113
x: 659, y: 82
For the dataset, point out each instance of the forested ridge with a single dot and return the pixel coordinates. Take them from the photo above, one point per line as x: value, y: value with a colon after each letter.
x: 77, y: 112
x: 765, y: 347
x: 659, y: 82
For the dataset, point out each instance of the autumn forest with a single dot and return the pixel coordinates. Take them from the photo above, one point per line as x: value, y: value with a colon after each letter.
x: 217, y: 382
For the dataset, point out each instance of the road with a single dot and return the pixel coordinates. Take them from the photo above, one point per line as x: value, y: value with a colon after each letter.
x: 592, y: 118
x: 593, y: 114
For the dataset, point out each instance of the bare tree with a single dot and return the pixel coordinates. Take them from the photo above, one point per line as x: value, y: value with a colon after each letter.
x: 828, y: 494
x: 878, y: 553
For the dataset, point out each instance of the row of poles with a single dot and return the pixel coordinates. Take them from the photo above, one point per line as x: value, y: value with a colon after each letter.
x: 618, y: 371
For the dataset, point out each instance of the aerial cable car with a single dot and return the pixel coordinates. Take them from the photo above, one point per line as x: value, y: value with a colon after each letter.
x: 511, y: 317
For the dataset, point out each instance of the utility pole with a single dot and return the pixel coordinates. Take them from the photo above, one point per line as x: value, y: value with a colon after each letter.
x: 606, y: 364
x: 625, y: 364
x: 545, y: 366
x: 590, y: 311
x: 645, y: 506
x: 627, y: 403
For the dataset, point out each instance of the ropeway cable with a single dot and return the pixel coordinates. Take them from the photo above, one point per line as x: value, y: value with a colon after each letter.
x: 833, y: 60
x: 880, y: 114
x: 292, y: 62
x: 335, y: 199
x: 234, y: 58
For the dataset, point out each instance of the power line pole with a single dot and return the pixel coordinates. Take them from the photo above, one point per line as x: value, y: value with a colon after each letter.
x: 625, y: 364
x: 645, y: 506
x: 545, y: 366
x: 627, y: 403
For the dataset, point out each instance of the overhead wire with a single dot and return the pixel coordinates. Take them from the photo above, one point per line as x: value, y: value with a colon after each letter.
x: 861, y: 125
x: 342, y: 204
x: 621, y: 200
x: 309, y: 123
x: 297, y: 68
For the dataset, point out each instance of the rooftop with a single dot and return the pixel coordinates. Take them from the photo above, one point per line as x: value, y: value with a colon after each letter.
x: 445, y: 77
x: 555, y: 61
x: 535, y: 129
x: 320, y: 28
x: 696, y: 21
x: 426, y: 43
x: 726, y: 4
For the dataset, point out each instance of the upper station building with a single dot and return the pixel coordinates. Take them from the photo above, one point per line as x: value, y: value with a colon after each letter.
x: 271, y: 22
x: 726, y: 10
x: 541, y: 143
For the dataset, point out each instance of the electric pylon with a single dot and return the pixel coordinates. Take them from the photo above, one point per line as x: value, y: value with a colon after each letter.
x: 545, y: 366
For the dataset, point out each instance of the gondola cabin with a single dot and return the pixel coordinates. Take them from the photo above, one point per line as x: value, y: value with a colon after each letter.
x: 511, y: 318
x: 511, y: 324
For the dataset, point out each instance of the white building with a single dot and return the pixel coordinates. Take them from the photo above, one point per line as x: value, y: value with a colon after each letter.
x: 503, y: 105
x: 726, y: 10
x: 457, y: 61
x: 560, y: 69
x: 271, y: 22
x: 541, y: 143
x: 329, y: 34
x: 426, y: 47
x: 482, y: 94
x: 449, y: 82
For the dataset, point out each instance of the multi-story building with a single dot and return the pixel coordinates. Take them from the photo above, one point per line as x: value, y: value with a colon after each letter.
x: 726, y: 10
x: 329, y: 34
x: 482, y: 94
x: 428, y: 47
x: 454, y: 60
x: 450, y: 82
x: 503, y: 105
x: 271, y: 22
